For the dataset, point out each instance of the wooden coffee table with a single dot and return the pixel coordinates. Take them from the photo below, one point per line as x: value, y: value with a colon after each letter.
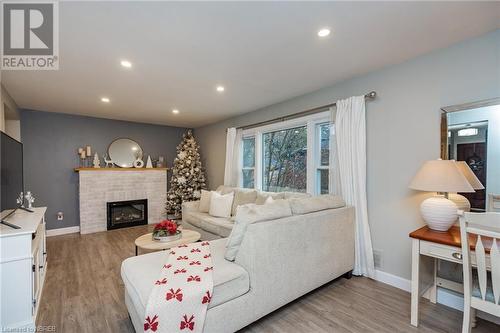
x: 146, y: 241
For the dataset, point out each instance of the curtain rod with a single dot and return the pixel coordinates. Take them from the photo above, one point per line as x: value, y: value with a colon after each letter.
x: 370, y: 95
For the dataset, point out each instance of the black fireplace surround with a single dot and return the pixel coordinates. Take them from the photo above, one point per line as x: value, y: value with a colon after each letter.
x: 122, y: 214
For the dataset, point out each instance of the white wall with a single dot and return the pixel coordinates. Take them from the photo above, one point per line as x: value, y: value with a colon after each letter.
x: 403, y: 131
x: 492, y: 115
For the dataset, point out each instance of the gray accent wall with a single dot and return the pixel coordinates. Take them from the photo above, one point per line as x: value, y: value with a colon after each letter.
x: 403, y: 127
x: 51, y: 140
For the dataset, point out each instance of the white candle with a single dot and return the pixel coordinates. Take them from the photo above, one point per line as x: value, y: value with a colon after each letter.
x: 80, y: 150
x: 89, y: 151
x: 82, y: 155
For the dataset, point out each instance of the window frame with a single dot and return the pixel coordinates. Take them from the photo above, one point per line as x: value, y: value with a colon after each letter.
x: 313, y: 153
x: 243, y: 168
x: 318, y: 165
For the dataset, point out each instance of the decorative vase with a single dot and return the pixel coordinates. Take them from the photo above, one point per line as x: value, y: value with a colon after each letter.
x: 149, y: 163
x: 170, y: 238
x: 439, y: 213
x: 138, y: 163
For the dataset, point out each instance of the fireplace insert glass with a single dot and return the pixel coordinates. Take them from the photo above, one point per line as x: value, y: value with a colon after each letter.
x: 123, y: 214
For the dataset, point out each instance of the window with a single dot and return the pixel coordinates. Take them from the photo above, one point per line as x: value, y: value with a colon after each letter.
x: 248, y: 176
x: 322, y: 158
x: 285, y: 160
x: 292, y: 155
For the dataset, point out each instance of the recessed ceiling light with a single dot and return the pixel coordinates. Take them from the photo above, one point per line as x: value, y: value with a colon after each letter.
x: 126, y: 63
x: 220, y: 88
x: 324, y: 32
x: 105, y: 100
x: 175, y: 111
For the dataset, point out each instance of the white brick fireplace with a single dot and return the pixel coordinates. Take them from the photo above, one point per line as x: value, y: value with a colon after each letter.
x: 100, y: 186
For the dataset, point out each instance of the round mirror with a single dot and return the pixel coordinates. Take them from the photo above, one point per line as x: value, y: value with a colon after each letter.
x: 123, y: 152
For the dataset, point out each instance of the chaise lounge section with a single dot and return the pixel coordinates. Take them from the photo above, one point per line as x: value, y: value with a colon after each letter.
x: 277, y: 261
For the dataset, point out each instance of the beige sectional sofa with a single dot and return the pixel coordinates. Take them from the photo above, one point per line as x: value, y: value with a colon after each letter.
x: 264, y: 264
x: 219, y: 227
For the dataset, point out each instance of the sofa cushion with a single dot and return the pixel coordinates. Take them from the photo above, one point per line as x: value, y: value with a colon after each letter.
x: 223, y: 189
x: 291, y: 195
x: 252, y: 213
x: 313, y: 204
x: 243, y: 197
x: 221, y: 226
x: 220, y: 205
x: 205, y: 201
x: 262, y: 196
x: 139, y: 273
x: 194, y: 218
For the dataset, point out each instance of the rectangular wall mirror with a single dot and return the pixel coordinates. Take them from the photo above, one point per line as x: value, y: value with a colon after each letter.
x: 471, y: 133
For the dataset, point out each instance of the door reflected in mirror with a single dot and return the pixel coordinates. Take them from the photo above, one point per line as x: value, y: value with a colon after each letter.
x: 473, y: 136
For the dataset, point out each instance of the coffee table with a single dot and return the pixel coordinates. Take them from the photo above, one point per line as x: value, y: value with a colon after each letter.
x: 146, y: 241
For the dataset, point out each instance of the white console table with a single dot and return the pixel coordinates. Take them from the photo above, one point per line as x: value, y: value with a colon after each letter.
x: 23, y: 260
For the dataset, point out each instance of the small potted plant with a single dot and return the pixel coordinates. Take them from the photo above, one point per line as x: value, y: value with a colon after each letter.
x: 166, y: 231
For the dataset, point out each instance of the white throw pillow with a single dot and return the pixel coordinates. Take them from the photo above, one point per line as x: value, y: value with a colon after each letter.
x: 269, y: 200
x: 220, y: 205
x: 253, y: 213
x: 205, y: 201
x: 262, y: 196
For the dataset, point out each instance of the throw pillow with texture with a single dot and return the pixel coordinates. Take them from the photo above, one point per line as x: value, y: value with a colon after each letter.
x: 205, y: 201
x: 243, y: 197
x: 262, y: 196
x: 269, y: 200
x: 253, y: 213
x: 220, y: 205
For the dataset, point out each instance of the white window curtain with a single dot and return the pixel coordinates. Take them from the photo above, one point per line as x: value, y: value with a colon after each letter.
x: 350, y: 134
x: 334, y: 186
x: 233, y: 163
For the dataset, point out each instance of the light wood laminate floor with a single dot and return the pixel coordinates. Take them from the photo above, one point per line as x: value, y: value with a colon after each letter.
x: 83, y: 292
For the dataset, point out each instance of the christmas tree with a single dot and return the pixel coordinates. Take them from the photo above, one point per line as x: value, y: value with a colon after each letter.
x: 188, y: 177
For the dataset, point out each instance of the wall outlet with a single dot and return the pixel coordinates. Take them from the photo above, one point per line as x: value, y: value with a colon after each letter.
x: 377, y: 258
x: 60, y: 216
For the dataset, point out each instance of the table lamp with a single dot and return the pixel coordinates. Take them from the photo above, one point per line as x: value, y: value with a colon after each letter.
x: 461, y: 201
x: 440, y: 176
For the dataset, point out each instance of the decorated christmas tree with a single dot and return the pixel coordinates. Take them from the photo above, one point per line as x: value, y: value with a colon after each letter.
x: 188, y: 177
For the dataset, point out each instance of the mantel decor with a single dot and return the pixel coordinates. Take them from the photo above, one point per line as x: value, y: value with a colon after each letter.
x: 119, y: 169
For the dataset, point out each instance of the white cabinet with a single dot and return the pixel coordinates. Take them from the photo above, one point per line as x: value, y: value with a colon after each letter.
x: 23, y: 260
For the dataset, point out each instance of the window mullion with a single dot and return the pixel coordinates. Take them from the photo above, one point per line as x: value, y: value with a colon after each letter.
x: 311, y: 159
x: 258, y: 161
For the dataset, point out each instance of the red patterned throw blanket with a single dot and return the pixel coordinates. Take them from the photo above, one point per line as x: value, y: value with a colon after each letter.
x: 179, y: 299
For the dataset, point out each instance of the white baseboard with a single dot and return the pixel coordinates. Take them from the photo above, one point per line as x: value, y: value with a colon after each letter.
x: 62, y: 231
x: 444, y: 296
x: 393, y: 280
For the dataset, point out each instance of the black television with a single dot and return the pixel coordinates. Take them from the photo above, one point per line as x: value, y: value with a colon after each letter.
x: 11, y: 175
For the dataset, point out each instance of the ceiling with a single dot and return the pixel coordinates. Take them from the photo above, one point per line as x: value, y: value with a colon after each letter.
x: 262, y: 52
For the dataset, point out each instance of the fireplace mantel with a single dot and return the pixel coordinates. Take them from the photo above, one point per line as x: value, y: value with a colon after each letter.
x: 120, y: 169
x: 98, y: 186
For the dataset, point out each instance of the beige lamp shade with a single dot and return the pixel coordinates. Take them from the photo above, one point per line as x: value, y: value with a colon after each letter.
x: 469, y: 174
x: 440, y: 176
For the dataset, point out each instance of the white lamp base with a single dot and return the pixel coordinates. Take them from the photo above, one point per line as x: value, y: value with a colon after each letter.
x: 439, y: 213
x: 461, y: 201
